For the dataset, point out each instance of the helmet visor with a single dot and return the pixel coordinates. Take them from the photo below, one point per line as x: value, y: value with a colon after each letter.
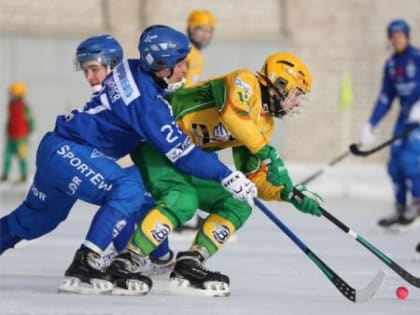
x: 79, y: 60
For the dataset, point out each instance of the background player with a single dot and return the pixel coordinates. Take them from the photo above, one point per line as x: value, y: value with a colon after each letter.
x: 401, y: 79
x: 19, y: 126
x: 200, y: 29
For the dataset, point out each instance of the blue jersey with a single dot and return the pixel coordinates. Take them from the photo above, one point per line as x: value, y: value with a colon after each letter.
x: 401, y: 79
x: 130, y: 109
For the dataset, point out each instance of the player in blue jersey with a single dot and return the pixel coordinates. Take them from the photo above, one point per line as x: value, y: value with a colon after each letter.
x: 96, y: 57
x: 77, y: 160
x: 402, y: 80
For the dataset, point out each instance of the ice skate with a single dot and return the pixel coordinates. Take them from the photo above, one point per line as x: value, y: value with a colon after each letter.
x: 162, y: 267
x: 84, y: 276
x: 402, y: 220
x: 128, y: 272
x: 190, y: 274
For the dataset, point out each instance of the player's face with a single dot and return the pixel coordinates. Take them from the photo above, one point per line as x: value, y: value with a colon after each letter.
x: 202, y: 35
x: 95, y: 72
x: 399, y: 41
x: 289, y: 104
x: 178, y: 74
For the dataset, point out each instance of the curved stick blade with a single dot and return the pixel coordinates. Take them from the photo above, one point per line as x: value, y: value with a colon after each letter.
x: 365, y: 294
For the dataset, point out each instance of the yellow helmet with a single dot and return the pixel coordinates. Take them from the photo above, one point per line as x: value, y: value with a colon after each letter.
x: 17, y: 89
x: 201, y: 18
x: 288, y: 70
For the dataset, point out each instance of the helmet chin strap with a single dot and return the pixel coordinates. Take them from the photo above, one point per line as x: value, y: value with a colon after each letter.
x: 268, y: 99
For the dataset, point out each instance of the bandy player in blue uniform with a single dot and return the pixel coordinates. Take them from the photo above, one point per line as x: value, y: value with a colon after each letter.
x: 78, y: 159
x: 96, y: 56
x: 401, y: 79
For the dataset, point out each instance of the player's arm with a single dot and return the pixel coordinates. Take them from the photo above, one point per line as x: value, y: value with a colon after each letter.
x: 256, y: 171
x: 163, y: 133
x: 384, y: 101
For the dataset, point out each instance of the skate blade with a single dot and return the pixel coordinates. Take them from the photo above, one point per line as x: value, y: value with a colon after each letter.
x: 134, y: 287
x: 76, y: 286
x: 211, y: 288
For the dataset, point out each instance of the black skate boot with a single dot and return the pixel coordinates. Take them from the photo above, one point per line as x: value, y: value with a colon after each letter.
x: 189, y: 272
x: 403, y: 218
x: 84, y: 276
x: 127, y: 271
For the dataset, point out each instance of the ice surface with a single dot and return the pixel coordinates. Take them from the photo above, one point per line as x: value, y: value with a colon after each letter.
x: 269, y: 274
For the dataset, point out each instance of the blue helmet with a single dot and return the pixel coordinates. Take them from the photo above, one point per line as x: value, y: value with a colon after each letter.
x: 399, y: 25
x: 102, y: 48
x: 161, y: 47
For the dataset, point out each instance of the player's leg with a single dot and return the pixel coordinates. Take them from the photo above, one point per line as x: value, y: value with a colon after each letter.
x: 7, y: 159
x: 410, y: 163
x: 400, y: 189
x: 176, y: 202
x: 227, y: 215
x: 162, y: 258
x: 120, y: 195
x: 22, y: 152
x: 44, y: 208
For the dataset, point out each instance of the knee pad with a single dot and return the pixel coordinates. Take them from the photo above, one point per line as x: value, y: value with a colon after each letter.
x: 127, y: 196
x: 180, y: 203
x: 29, y: 223
x: 234, y: 210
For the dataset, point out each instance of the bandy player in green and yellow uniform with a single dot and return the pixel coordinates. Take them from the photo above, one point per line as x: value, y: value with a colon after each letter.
x: 232, y: 111
x: 200, y: 29
x: 20, y: 124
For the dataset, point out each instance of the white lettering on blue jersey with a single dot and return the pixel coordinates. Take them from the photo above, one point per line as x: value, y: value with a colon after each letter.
x: 94, y: 177
x: 169, y: 133
x: 123, y: 78
x: 180, y: 150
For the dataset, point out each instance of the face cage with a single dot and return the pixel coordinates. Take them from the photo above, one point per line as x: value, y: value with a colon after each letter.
x: 282, y: 97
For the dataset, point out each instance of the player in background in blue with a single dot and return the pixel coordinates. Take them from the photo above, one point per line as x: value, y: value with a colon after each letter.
x: 78, y: 160
x: 402, y: 80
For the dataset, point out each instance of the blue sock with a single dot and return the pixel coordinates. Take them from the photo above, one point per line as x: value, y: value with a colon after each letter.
x: 161, y: 250
x: 7, y: 239
x: 106, y: 224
